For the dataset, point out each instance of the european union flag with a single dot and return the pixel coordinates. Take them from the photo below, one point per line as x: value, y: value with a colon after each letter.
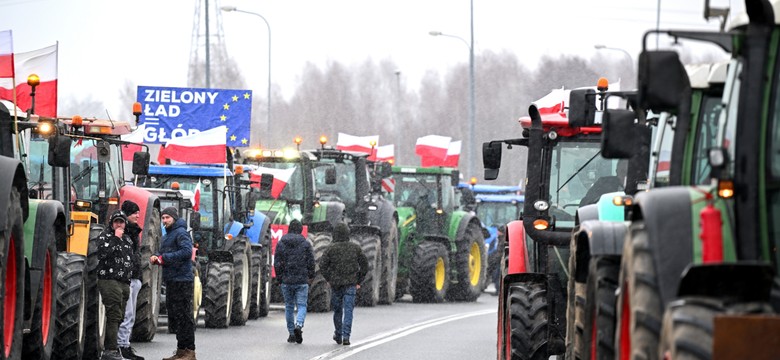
x: 175, y: 112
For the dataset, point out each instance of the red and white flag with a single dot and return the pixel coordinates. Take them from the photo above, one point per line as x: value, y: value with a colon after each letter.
x: 196, y: 198
x: 205, y: 147
x: 432, y: 146
x: 42, y: 62
x: 136, y: 137
x: 361, y: 144
x: 451, y: 160
x: 384, y: 153
x: 554, y: 102
x: 6, y: 54
x: 281, y: 178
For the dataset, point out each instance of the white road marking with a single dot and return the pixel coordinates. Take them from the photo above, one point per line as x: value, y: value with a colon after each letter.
x: 391, y: 335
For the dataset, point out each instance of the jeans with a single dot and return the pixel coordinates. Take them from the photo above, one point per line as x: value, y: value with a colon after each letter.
x: 126, y: 327
x: 114, y: 294
x: 178, y: 301
x: 295, y: 294
x: 343, y: 302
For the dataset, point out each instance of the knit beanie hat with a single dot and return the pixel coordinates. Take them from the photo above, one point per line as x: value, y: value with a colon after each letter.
x: 341, y: 233
x: 130, y: 208
x: 172, y: 212
x: 295, y: 227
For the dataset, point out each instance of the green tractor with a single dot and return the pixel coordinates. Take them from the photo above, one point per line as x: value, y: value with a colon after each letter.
x: 442, y: 249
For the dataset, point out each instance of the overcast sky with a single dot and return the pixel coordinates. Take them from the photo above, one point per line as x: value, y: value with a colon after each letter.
x: 104, y: 43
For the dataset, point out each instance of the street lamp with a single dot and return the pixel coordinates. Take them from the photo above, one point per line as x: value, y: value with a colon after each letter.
x: 628, y: 56
x: 472, y: 146
x: 268, y: 120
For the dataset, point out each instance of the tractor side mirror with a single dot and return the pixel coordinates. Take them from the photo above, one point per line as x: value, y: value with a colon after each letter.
x: 266, y: 184
x: 582, y: 107
x: 195, y: 221
x: 663, y: 81
x: 141, y: 163
x: 384, y: 170
x: 617, y: 134
x: 103, y: 151
x: 330, y: 175
x: 455, y: 178
x: 251, y: 201
x: 59, y: 151
x: 491, y: 159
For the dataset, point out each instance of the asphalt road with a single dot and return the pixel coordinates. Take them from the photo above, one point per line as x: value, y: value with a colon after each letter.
x: 403, y: 330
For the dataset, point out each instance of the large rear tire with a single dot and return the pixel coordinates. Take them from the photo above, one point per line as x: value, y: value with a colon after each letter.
x: 12, y: 268
x: 96, y: 311
x: 218, y: 296
x: 387, y: 289
x: 470, y: 264
x: 38, y: 342
x: 368, y: 295
x: 430, y: 273
x: 529, y: 320
x: 242, y: 280
x: 148, y: 301
x: 639, y: 303
x: 319, y: 291
x: 71, y: 306
x: 598, y: 337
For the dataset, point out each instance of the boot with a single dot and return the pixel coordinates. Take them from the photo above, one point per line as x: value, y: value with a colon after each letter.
x: 129, y: 353
x: 187, y: 354
x: 176, y: 355
x: 111, y: 355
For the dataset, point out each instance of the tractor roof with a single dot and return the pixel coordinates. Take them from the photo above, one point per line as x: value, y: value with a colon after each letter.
x: 491, y: 189
x: 189, y: 170
x: 422, y: 170
x: 500, y: 198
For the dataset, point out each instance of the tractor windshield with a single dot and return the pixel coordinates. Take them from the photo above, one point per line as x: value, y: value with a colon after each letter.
x: 412, y: 188
x: 344, y: 188
x: 579, y: 175
x: 207, y: 203
x: 495, y: 214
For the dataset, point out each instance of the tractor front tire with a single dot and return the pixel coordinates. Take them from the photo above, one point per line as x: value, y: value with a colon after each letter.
x: 430, y: 273
x: 387, y: 289
x: 12, y: 276
x: 319, y: 291
x: 147, y: 307
x: 528, y: 317
x: 368, y: 295
x: 470, y: 264
x: 242, y: 266
x: 218, y: 295
x: 39, y: 340
x: 598, y: 336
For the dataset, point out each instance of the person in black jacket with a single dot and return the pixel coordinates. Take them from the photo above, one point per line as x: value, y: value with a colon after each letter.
x: 294, y: 265
x: 344, y: 266
x: 114, y: 268
x: 175, y: 256
x: 132, y: 212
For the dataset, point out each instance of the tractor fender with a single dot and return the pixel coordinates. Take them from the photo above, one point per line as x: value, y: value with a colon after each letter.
x: 463, y: 220
x: 585, y: 213
x: 595, y: 238
x: 233, y: 228
x: 748, y: 282
x: 48, y: 214
x: 518, y: 258
x: 11, y: 175
x: 666, y: 213
x: 220, y: 256
x: 260, y: 224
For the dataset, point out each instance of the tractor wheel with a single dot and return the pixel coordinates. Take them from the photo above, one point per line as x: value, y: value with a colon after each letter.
x: 598, y: 337
x: 96, y: 311
x: 40, y: 338
x: 12, y: 267
x: 688, y: 326
x: 148, y: 302
x: 387, y: 289
x: 575, y: 309
x: 429, y: 273
x: 319, y: 291
x: 255, y: 287
x: 197, y: 295
x: 218, y: 296
x: 241, y: 250
x: 528, y: 320
x: 368, y: 295
x: 639, y: 305
x: 470, y: 263
x: 71, y: 306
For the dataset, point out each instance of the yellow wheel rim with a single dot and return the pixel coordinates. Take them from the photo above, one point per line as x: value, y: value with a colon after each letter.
x: 475, y: 263
x: 439, y: 274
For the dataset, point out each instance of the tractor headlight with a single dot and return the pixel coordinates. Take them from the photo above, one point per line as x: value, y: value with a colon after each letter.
x: 541, y: 205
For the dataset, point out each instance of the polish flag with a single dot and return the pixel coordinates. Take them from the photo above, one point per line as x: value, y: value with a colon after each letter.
x: 205, y: 147
x: 281, y: 178
x: 42, y: 62
x: 384, y: 153
x: 361, y: 144
x: 554, y: 102
x: 6, y: 54
x: 432, y: 146
x: 196, y: 198
x: 451, y: 160
x: 136, y: 137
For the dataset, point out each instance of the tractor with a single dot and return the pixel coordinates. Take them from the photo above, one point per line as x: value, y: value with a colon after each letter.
x: 441, y: 252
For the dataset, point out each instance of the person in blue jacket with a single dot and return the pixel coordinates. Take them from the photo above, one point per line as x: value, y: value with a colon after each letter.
x: 175, y: 257
x: 294, y: 265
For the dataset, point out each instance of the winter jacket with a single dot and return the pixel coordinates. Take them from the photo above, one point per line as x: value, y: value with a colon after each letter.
x: 294, y: 260
x: 134, y: 231
x: 343, y: 263
x: 115, y: 256
x: 176, y: 253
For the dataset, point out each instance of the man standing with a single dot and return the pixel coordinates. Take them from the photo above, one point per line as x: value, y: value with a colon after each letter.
x: 294, y: 264
x: 344, y: 266
x: 114, y: 253
x: 132, y: 211
x: 175, y: 256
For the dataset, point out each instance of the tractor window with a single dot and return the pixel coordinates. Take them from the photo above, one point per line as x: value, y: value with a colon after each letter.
x: 729, y: 129
x: 706, y: 137
x: 409, y: 189
x: 344, y: 188
x: 773, y: 175
x: 495, y: 214
x: 664, y: 158
x: 40, y: 176
x: 448, y: 193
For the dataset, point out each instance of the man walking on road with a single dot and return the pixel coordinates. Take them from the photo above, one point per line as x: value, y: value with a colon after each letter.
x: 294, y: 265
x: 344, y: 266
x: 132, y: 212
x: 175, y: 257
